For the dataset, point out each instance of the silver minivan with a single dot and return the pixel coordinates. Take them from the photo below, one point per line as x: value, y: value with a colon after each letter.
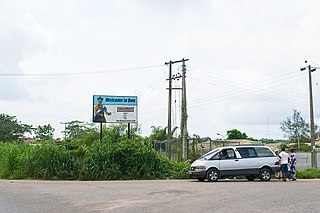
x: 250, y: 161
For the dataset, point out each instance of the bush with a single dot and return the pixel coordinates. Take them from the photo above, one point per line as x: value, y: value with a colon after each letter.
x: 181, y: 169
x: 309, y: 173
x: 122, y: 160
x: 12, y: 157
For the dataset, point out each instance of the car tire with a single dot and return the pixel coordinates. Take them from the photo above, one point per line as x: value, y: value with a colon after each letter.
x: 250, y: 178
x: 212, y: 175
x: 201, y: 179
x: 265, y: 174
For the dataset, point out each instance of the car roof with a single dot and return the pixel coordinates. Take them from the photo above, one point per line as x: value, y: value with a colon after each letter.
x: 243, y: 146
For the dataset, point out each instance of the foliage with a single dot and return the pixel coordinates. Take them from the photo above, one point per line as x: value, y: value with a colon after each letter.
x: 44, y: 132
x: 309, y: 173
x: 157, y: 135
x: 284, y: 145
x: 122, y: 160
x: 79, y: 132
x: 12, y: 156
x: 267, y: 141
x: 252, y: 139
x: 288, y: 145
x: 236, y: 134
x: 11, y: 128
x: 303, y: 147
x: 74, y: 129
x: 296, y: 128
x: 181, y: 169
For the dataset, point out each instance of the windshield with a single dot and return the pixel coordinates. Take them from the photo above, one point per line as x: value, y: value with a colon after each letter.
x: 209, y: 154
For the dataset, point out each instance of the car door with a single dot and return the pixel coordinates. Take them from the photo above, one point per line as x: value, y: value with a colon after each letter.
x: 248, y: 163
x: 228, y: 165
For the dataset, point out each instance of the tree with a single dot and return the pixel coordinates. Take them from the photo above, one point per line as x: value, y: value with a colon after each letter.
x: 158, y: 134
x: 82, y: 132
x: 236, y: 134
x: 296, y: 128
x: 11, y: 128
x: 75, y: 129
x: 44, y: 132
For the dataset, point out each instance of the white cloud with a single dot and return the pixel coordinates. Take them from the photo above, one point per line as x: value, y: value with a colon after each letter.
x: 244, y: 59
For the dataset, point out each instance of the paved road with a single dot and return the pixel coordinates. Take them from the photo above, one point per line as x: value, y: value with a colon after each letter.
x: 25, y: 196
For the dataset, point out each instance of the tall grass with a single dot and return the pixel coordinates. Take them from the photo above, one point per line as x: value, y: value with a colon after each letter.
x: 121, y: 160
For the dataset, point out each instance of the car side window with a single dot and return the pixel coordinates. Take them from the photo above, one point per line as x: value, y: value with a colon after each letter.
x: 264, y: 152
x: 227, y: 154
x: 247, y: 152
x: 215, y: 156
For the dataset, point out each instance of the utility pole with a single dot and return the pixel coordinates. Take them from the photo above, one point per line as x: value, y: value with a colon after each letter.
x: 169, y: 110
x: 169, y: 140
x: 312, y: 136
x: 65, y: 130
x: 184, y: 115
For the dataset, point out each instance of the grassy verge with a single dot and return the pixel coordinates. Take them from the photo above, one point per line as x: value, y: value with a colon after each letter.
x: 309, y: 173
x: 125, y: 160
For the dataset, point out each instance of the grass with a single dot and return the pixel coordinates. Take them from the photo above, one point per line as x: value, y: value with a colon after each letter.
x: 125, y: 160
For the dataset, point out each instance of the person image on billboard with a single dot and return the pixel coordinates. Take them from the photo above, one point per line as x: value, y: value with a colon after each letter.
x: 99, y: 111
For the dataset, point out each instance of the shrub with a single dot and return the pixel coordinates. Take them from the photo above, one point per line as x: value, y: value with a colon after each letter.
x: 309, y: 173
x: 180, y: 170
x: 122, y: 160
x: 11, y: 160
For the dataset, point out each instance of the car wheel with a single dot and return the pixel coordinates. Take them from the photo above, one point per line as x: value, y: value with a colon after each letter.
x: 201, y: 179
x: 265, y: 174
x: 250, y: 178
x: 212, y: 175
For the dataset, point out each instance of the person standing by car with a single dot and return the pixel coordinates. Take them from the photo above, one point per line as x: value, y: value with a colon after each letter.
x: 284, y: 159
x: 278, y: 173
x: 293, y: 163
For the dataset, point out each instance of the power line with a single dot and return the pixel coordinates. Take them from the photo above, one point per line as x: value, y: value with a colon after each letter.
x: 77, y: 73
x: 235, y: 89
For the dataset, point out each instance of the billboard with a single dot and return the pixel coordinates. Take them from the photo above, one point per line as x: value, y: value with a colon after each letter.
x: 115, y: 109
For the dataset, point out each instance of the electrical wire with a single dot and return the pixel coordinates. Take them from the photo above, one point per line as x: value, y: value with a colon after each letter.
x: 77, y: 73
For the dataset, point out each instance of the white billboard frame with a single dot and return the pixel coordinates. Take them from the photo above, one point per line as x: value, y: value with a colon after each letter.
x: 115, y: 109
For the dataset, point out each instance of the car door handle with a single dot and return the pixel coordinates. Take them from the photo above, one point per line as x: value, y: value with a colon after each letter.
x: 236, y: 160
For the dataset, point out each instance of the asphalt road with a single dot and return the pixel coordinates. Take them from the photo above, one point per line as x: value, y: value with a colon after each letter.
x: 32, y: 196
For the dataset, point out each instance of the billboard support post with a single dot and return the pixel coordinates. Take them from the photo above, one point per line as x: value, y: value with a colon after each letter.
x: 100, y: 132
x: 129, y: 131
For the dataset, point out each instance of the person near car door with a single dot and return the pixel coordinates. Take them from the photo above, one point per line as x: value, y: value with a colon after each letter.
x: 278, y: 173
x: 284, y: 160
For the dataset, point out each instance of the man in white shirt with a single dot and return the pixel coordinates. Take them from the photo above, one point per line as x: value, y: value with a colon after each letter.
x: 284, y: 160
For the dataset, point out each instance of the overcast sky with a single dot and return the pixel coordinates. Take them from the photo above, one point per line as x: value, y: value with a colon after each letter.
x: 243, y: 70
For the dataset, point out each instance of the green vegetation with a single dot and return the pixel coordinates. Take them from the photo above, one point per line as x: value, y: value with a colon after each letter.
x: 81, y: 156
x: 236, y: 134
x: 309, y: 173
x: 11, y: 129
x: 124, y: 160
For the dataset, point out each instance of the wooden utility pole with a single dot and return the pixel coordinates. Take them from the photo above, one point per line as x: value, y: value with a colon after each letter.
x: 184, y: 115
x: 169, y: 140
x: 312, y: 135
x: 313, y: 153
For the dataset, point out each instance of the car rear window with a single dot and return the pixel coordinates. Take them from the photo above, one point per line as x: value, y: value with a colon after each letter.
x: 264, y: 152
x: 247, y: 152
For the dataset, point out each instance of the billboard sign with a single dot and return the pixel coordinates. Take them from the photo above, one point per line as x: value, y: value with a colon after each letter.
x: 115, y: 109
